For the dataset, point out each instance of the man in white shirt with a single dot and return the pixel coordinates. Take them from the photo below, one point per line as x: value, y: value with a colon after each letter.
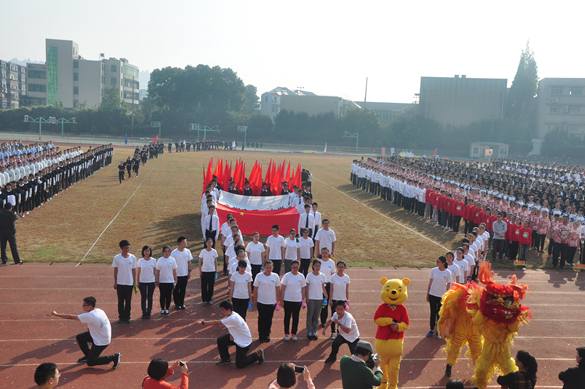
x: 183, y: 257
x: 325, y: 238
x: 317, y: 219
x: 306, y: 220
x: 239, y: 335
x: 99, y: 334
x: 211, y: 225
x: 348, y: 331
x: 124, y: 265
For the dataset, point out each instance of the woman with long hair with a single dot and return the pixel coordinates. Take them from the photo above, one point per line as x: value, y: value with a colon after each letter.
x: 525, y: 377
x: 439, y: 283
x: 146, y: 280
x: 166, y: 276
x: 207, y: 271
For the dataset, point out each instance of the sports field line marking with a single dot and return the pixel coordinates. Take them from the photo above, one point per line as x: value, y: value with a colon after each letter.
x: 387, y: 217
x: 121, y: 209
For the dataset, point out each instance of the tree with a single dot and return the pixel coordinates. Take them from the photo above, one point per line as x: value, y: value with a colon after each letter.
x: 521, y: 99
x: 252, y: 98
x: 112, y: 102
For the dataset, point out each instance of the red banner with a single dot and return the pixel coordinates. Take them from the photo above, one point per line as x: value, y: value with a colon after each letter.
x: 260, y: 221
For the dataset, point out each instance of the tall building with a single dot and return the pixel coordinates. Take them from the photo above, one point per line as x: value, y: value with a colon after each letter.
x: 460, y: 101
x: 561, y: 106
x: 72, y: 80
x: 390, y: 112
x: 12, y: 84
x: 272, y: 102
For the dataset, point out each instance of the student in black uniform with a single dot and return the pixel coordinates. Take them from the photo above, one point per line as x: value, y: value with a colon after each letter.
x: 247, y: 190
x: 170, y: 147
x: 136, y: 164
x: 233, y: 188
x: 265, y: 191
x: 121, y: 172
x: 129, y: 166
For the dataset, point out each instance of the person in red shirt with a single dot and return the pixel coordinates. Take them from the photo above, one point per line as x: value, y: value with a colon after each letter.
x: 525, y: 240
x: 446, y: 211
x: 428, y: 199
x: 515, y: 238
x: 458, y: 209
x: 489, y: 225
x: 467, y: 217
x: 159, y: 370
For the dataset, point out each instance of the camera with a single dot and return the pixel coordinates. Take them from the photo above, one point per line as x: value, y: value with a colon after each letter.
x: 371, y: 361
x: 375, y: 357
x: 299, y: 369
x: 181, y: 363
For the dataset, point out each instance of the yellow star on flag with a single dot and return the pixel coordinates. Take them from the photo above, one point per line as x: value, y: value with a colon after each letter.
x: 241, y: 213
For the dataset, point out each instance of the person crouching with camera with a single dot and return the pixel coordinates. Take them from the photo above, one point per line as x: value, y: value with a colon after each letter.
x: 159, y: 370
x: 286, y: 376
x: 362, y: 369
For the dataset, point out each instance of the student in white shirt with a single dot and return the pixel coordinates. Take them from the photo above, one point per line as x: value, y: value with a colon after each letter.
x: 233, y: 265
x: 306, y: 220
x: 315, y: 292
x: 99, y: 334
x: 211, y: 225
x: 266, y: 294
x: 463, y: 265
x: 239, y: 335
x: 339, y: 286
x: 317, y: 219
x: 439, y: 283
x: 455, y: 270
x: 165, y: 277
x: 145, y: 277
x: 348, y: 331
x: 240, y: 289
x: 293, y: 295
x: 291, y: 250
x: 255, y: 251
x: 124, y: 265
x: 328, y: 269
x: 226, y: 232
x: 207, y: 271
x: 325, y: 238
x: 306, y: 247
x: 183, y: 257
x: 275, y: 249
x: 468, y: 256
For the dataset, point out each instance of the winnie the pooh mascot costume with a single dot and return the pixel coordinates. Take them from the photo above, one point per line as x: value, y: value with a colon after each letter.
x: 392, y: 319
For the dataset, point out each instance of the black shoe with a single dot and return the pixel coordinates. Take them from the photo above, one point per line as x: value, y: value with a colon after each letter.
x: 221, y: 362
x: 183, y: 307
x: 82, y: 360
x: 448, y: 370
x: 120, y: 321
x: 331, y: 359
x: 127, y: 321
x: 117, y: 358
x: 260, y: 356
x: 177, y: 307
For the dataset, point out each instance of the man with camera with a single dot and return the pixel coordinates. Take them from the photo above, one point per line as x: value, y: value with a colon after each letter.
x: 362, y: 369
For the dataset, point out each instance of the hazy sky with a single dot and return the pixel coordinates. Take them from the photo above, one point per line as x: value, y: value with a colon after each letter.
x: 327, y: 47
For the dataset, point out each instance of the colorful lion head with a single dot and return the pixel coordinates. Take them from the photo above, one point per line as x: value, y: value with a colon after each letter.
x: 500, y: 303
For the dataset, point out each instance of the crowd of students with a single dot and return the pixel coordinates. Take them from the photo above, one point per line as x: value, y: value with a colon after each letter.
x: 537, y: 203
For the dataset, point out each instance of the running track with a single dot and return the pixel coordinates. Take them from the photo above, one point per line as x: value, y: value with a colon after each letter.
x: 30, y: 336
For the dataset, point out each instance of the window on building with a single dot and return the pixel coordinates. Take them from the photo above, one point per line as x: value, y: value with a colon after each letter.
x: 574, y: 110
x: 37, y: 74
x: 75, y: 76
x: 75, y: 90
x: 554, y: 109
x: 103, y: 79
x: 114, y: 81
x: 37, y: 88
x: 576, y: 91
x: 52, y: 75
x: 556, y: 90
x: 114, y: 68
x: 75, y: 103
x: 75, y: 64
x: 23, y: 88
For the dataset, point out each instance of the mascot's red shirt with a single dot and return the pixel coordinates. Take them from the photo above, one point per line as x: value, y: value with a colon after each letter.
x: 399, y: 314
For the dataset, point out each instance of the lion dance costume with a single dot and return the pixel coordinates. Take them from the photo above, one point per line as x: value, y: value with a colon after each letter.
x: 496, y: 312
x: 392, y: 319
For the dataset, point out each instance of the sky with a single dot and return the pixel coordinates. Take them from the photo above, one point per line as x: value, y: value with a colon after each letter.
x: 326, y: 47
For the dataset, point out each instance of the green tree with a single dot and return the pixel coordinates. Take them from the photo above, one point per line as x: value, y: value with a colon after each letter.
x: 252, y: 98
x: 521, y: 99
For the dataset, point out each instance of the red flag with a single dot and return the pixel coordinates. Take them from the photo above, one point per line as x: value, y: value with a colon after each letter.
x: 298, y: 176
x: 435, y: 153
x: 241, y: 178
x: 155, y: 139
x: 287, y: 177
x: 268, y: 172
x: 258, y: 188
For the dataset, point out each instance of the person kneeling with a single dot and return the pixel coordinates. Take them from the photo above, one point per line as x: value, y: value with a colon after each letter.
x: 362, y: 369
x: 239, y: 335
x: 348, y: 331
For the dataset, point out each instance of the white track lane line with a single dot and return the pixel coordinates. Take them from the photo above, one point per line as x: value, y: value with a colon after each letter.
x: 121, y: 209
x: 381, y: 214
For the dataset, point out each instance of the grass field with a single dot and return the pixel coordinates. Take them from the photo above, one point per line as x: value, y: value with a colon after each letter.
x: 164, y: 203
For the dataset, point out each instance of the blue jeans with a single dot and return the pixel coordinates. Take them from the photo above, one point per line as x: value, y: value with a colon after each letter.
x: 146, y: 291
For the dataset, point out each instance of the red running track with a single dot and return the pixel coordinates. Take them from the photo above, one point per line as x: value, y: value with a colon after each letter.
x: 30, y: 336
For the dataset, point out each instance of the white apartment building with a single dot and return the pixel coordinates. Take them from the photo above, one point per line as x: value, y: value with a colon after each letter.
x: 561, y: 105
x: 12, y: 84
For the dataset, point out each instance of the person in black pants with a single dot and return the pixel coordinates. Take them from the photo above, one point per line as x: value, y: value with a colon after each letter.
x: 348, y: 331
x: 8, y: 233
x: 239, y: 336
x: 98, y: 334
x: 124, y: 265
x: 207, y: 271
x: 121, y: 172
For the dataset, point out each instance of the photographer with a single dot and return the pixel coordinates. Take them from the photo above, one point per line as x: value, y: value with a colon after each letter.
x: 360, y: 370
x: 159, y: 369
x: 286, y: 377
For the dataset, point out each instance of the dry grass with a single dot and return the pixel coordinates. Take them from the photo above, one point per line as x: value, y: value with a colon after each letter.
x: 167, y: 205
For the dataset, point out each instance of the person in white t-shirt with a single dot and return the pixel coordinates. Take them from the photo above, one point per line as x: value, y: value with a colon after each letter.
x: 463, y: 265
x: 226, y: 231
x: 291, y: 250
x: 124, y: 265
x: 183, y: 257
x: 165, y: 277
x: 325, y: 238
x: 146, y: 280
x: 239, y: 335
x: 455, y: 270
x: 339, y: 286
x: 314, y: 298
x: 266, y: 295
x: 439, y: 283
x: 99, y: 334
x: 207, y: 271
x: 328, y: 269
x: 293, y: 295
x: 306, y: 247
x: 240, y: 289
x: 470, y: 258
x: 255, y: 251
x: 317, y: 219
x: 348, y: 331
x: 275, y: 249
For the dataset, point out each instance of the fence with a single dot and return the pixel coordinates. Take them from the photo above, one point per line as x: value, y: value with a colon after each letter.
x: 75, y: 139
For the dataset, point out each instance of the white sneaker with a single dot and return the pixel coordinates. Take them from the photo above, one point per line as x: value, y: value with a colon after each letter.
x: 286, y: 337
x: 294, y: 337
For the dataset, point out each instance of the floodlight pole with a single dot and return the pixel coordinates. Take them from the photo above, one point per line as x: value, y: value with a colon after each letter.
x: 356, y: 136
x: 62, y: 121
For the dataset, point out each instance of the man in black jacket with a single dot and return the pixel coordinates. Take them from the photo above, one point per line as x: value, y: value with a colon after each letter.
x: 8, y: 233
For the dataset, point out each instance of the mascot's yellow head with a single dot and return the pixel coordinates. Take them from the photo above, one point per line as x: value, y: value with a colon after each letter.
x: 394, y: 291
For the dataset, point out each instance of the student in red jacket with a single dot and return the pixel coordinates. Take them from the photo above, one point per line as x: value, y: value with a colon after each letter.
x: 515, y: 238
x: 526, y: 240
x: 467, y: 215
x: 159, y: 369
x: 458, y: 208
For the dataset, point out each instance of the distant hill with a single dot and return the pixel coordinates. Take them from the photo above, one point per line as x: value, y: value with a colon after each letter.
x: 23, y: 62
